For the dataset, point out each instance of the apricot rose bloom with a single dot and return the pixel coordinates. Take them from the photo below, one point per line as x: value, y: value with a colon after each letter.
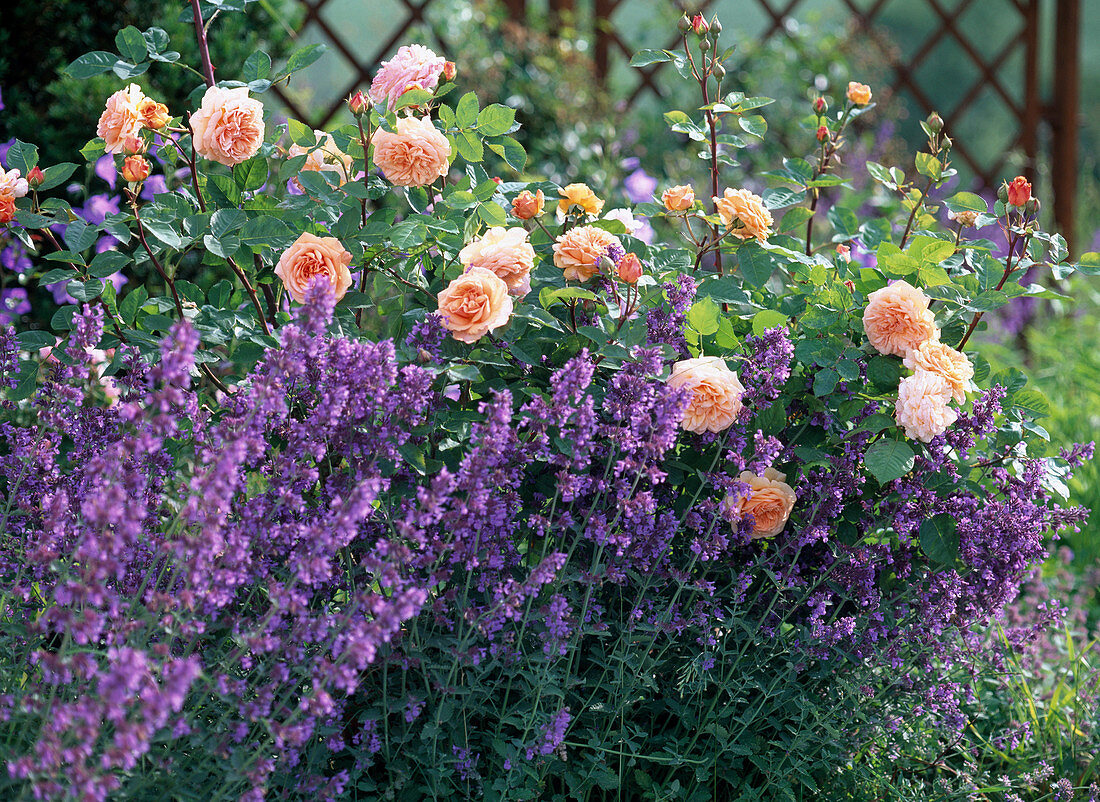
x: 229, y: 126
x: 770, y: 502
x: 526, y: 205
x: 577, y: 251
x: 897, y: 319
x: 579, y: 195
x: 678, y: 199
x: 858, y: 93
x: 715, y: 393
x: 474, y: 304
x: 412, y: 66
x: 121, y: 118
x: 413, y: 156
x: 135, y: 169
x: 945, y: 361
x: 922, y: 407
x: 7, y: 209
x: 507, y: 253
x: 154, y: 116
x: 740, y: 204
x: 311, y: 256
x: 323, y: 157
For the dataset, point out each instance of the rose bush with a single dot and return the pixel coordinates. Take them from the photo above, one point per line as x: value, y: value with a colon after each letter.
x: 417, y: 499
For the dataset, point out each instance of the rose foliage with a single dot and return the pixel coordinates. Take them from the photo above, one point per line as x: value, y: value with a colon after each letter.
x: 386, y: 478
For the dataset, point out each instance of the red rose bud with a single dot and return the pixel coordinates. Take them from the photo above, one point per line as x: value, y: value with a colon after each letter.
x: 449, y: 71
x: 358, y: 104
x: 1019, y: 191
x: 35, y: 178
x: 135, y: 169
x: 629, y: 268
x: 699, y: 24
x: 498, y: 179
x: 820, y: 106
x: 822, y: 133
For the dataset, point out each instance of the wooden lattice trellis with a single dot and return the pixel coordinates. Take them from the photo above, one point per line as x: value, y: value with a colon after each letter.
x: 1027, y: 109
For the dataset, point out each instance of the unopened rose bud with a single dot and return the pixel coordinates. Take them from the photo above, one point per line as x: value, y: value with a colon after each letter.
x: 1019, y: 191
x: 135, y: 169
x: 822, y: 133
x: 820, y: 106
x: 605, y: 265
x: 947, y: 143
x: 683, y: 24
x: 848, y: 283
x: 859, y: 94
x: 718, y: 71
x: 449, y: 71
x: 935, y: 122
x: 133, y: 145
x: 704, y: 44
x: 359, y: 104
x: 498, y: 179
x: 423, y: 357
x: 35, y: 178
x: 1002, y: 192
x: 1032, y: 206
x: 699, y: 24
x: 715, y: 25
x: 526, y: 205
x: 629, y: 268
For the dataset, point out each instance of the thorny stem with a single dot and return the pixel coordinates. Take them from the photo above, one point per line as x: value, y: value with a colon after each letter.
x: 913, y: 214
x: 364, y: 139
x: 251, y: 293
x: 1008, y: 271
x: 712, y: 125
x: 828, y: 149
x: 194, y: 171
x: 204, y: 50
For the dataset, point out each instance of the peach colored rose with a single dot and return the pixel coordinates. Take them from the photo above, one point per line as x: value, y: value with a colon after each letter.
x: 577, y: 250
x: 507, y: 253
x: 716, y: 393
x: 579, y: 195
x: 629, y: 268
x: 922, y: 407
x: 121, y: 118
x: 12, y: 184
x: 415, y: 155
x: 412, y: 65
x: 526, y: 205
x: 1019, y: 191
x: 323, y: 157
x: 135, y: 169
x: 945, y: 361
x: 897, y: 319
x: 7, y: 209
x: 474, y: 304
x: 678, y: 199
x: 153, y: 115
x: 858, y: 93
x: 770, y: 502
x: 741, y: 205
x: 229, y: 126
x: 310, y: 256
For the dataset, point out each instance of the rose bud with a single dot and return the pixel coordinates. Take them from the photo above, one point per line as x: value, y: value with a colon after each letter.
x: 449, y: 71
x: 135, y: 169
x: 358, y: 103
x: 133, y: 145
x: 683, y: 24
x: 822, y: 133
x: 1032, y: 206
x: 1002, y: 192
x: 1019, y: 191
x: 35, y: 178
x: 526, y: 205
x: 935, y: 122
x: 629, y: 268
x: 715, y: 25
x: 718, y: 71
x: 699, y: 24
x: 820, y: 106
x: 154, y: 116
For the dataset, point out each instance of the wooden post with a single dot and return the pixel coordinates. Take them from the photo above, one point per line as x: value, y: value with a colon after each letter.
x: 1067, y: 97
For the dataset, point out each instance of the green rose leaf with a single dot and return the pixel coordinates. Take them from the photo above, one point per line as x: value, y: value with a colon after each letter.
x: 888, y: 460
x: 939, y: 539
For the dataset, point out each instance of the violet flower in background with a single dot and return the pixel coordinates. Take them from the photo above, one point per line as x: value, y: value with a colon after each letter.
x: 13, y: 303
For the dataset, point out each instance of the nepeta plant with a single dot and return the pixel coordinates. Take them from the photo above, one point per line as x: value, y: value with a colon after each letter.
x: 381, y: 480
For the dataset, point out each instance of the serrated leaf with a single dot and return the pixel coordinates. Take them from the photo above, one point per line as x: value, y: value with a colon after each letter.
x: 755, y: 263
x: 888, y: 460
x: 643, y: 58
x: 250, y: 175
x: 496, y: 120
x: 467, y: 110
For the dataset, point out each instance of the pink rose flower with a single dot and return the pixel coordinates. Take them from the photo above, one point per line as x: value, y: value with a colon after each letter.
x: 770, y: 502
x: 310, y: 256
x: 121, y: 119
x: 229, y: 126
x: 507, y: 253
x: 716, y: 393
x: 897, y: 319
x: 922, y: 407
x: 474, y: 304
x: 323, y: 157
x: 12, y: 184
x: 415, y: 155
x: 413, y: 65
